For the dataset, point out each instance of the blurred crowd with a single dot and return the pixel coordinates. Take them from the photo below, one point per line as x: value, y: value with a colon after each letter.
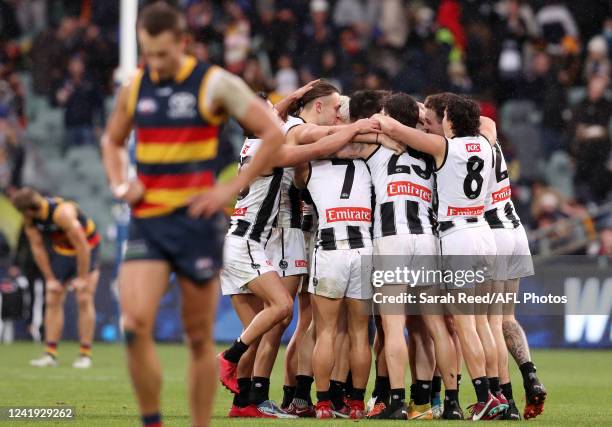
x: 542, y: 64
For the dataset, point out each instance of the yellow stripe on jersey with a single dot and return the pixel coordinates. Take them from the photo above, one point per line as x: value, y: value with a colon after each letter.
x: 172, y: 198
x: 179, y: 152
x: 134, y: 88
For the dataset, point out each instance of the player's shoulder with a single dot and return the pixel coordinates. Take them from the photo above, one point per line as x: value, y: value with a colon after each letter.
x: 292, y: 122
x: 250, y: 146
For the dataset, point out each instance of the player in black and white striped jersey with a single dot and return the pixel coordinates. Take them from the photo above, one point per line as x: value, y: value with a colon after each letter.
x: 403, y: 226
x: 247, y: 266
x: 462, y: 172
x: 513, y: 262
x: 341, y: 193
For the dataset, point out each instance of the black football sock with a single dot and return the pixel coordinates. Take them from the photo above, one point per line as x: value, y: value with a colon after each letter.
x: 422, y: 392
x: 288, y: 395
x: 528, y: 371
x: 412, y: 391
x: 507, y: 391
x: 348, y: 386
x: 436, y: 387
x: 323, y: 396
x: 242, y: 398
x: 235, y: 352
x: 481, y: 386
x: 494, y: 385
x: 336, y: 393
x: 303, y: 386
x: 383, y: 387
x: 451, y: 395
x: 358, y: 394
x: 260, y: 389
x: 398, y: 397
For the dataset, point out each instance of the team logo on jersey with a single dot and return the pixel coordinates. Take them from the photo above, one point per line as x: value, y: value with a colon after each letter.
x: 407, y: 188
x: 301, y: 263
x: 146, y: 106
x: 469, y: 211
x: 348, y: 214
x: 283, y: 264
x: 501, y: 195
x: 182, y: 105
x: 255, y: 266
x: 245, y: 149
x: 240, y: 212
x: 472, y: 147
x: 164, y: 91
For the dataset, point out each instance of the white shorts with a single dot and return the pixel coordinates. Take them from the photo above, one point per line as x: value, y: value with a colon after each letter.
x: 287, y: 251
x: 342, y: 273
x: 513, y: 254
x: 470, y: 248
x: 243, y: 261
x: 309, y: 244
x: 414, y: 251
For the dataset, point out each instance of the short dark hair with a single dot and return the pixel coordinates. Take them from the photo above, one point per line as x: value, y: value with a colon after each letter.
x: 437, y: 103
x: 464, y: 115
x: 403, y: 108
x: 159, y: 17
x: 318, y: 90
x: 26, y: 199
x: 365, y: 103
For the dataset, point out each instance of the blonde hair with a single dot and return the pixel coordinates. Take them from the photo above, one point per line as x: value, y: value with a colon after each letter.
x: 344, y: 112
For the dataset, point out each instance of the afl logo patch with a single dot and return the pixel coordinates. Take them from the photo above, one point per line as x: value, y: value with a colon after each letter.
x: 255, y: 266
x: 182, y: 105
x: 146, y: 106
x: 283, y: 264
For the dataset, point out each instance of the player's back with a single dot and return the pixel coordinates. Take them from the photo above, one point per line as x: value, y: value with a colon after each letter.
x: 461, y: 183
x: 403, y: 185
x: 342, y: 194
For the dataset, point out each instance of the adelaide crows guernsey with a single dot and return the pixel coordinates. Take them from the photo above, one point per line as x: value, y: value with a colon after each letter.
x: 176, y: 137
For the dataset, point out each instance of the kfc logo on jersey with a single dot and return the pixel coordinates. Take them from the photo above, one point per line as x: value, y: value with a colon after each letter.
x: 301, y: 263
x: 407, y: 188
x: 240, y: 212
x: 502, y: 194
x: 472, y: 147
x: 470, y: 211
x: 348, y: 214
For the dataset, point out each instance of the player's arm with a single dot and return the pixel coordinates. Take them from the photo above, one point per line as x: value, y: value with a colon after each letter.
x: 65, y: 216
x: 291, y: 155
x: 39, y: 252
x: 282, y: 107
x: 488, y: 129
x: 309, y: 133
x: 114, y: 150
x: 418, y: 140
x: 227, y: 94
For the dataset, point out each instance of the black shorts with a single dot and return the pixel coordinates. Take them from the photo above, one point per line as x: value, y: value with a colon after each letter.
x: 192, y: 246
x: 65, y: 266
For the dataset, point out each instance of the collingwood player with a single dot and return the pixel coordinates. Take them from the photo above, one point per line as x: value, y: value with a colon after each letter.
x: 513, y: 263
x: 247, y: 265
x: 403, y: 225
x: 341, y: 191
x: 462, y: 165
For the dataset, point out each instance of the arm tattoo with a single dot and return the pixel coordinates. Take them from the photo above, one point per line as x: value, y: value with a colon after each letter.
x: 516, y: 341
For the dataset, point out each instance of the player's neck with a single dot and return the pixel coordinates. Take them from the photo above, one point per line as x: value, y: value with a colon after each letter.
x: 309, y: 116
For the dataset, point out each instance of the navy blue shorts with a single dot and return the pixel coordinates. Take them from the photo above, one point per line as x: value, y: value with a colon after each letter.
x: 192, y: 246
x: 65, y: 266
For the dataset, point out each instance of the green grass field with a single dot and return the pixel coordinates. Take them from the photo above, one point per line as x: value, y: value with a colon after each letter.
x: 579, y: 385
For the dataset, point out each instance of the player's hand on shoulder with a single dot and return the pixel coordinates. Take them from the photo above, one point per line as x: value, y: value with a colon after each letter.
x: 208, y: 203
x: 364, y: 126
x: 130, y: 192
x: 391, y: 144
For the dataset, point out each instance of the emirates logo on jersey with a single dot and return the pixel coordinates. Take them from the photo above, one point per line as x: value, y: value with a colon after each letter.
x: 407, y: 188
x: 348, y: 214
x: 501, y: 195
x: 473, y: 147
x: 245, y: 149
x: 471, y: 211
x: 301, y: 263
x: 240, y: 212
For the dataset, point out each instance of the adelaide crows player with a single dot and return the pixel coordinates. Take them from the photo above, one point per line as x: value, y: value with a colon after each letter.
x: 176, y: 104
